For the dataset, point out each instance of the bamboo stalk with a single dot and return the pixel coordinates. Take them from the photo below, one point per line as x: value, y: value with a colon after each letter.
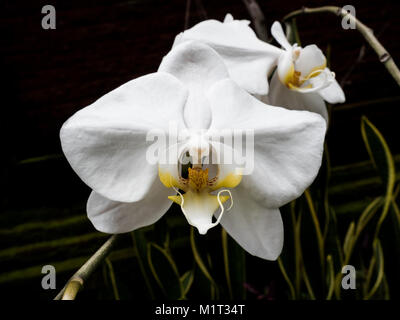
x: 77, y: 281
x: 367, y: 33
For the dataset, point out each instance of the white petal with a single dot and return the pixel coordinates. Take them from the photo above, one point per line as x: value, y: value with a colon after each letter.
x: 280, y: 95
x: 118, y: 217
x: 333, y: 93
x: 228, y: 18
x: 105, y: 143
x: 259, y: 230
x: 285, y: 69
x: 248, y: 59
x: 198, y: 67
x: 288, y: 144
x: 279, y: 35
x: 310, y: 58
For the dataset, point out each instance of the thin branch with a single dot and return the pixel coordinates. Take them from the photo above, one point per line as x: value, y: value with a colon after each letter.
x: 187, y: 14
x: 359, y: 59
x: 76, y: 282
x: 367, y: 33
x: 201, y: 9
x: 258, y: 19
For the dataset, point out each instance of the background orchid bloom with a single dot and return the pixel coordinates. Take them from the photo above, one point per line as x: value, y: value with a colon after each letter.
x: 248, y: 59
x: 302, y: 81
x: 105, y: 143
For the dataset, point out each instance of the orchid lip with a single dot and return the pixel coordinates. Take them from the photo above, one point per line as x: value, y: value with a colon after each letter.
x: 204, y: 222
x: 200, y: 185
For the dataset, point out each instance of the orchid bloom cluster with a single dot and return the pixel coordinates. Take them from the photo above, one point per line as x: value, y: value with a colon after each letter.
x: 214, y: 81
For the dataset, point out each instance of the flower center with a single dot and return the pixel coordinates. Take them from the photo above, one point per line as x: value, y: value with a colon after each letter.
x: 304, y: 70
x: 198, y: 178
x: 297, y: 79
x: 200, y: 196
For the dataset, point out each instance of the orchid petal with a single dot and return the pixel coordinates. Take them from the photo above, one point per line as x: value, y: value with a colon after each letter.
x: 105, y: 143
x: 118, y: 217
x: 259, y: 230
x: 280, y: 95
x: 288, y: 145
x: 285, y: 69
x: 279, y: 35
x: 198, y: 67
x: 248, y: 59
x: 310, y: 59
x: 228, y: 18
x: 333, y: 93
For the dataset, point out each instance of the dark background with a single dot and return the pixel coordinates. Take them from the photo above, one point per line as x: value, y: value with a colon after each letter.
x: 47, y: 75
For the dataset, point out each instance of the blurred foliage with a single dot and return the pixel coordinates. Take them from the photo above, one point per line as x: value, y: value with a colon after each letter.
x: 361, y: 238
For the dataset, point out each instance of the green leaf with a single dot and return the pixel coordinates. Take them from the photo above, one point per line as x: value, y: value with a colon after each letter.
x: 164, y: 271
x: 200, y: 262
x: 348, y: 240
x: 368, y: 213
x: 161, y: 233
x: 382, y: 159
x: 187, y: 281
x: 287, y: 279
x: 379, y: 152
x: 112, y: 278
x: 140, y: 247
x: 235, y: 266
x: 378, y: 257
x: 330, y: 277
x: 333, y: 242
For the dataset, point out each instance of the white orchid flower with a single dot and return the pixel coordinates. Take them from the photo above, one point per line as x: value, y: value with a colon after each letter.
x: 106, y: 145
x: 302, y: 81
x: 248, y: 59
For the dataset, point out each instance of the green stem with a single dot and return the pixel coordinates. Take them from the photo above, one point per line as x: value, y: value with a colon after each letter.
x: 287, y: 279
x: 320, y: 238
x: 112, y: 279
x: 258, y: 19
x: 76, y: 282
x: 226, y: 261
x: 141, y: 266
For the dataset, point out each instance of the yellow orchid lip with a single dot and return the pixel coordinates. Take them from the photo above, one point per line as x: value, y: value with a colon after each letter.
x: 196, y: 192
x: 295, y: 80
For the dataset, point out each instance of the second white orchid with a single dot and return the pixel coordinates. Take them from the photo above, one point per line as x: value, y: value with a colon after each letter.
x: 302, y: 80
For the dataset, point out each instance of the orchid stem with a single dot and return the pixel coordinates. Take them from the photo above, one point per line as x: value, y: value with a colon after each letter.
x: 76, y: 282
x: 258, y: 19
x: 367, y: 33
